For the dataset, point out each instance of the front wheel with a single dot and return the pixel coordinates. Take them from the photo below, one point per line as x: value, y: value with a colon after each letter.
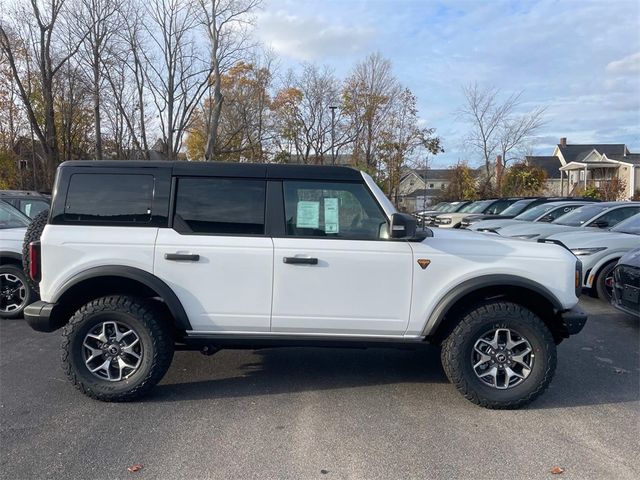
x: 117, y: 348
x: 501, y: 355
x: 604, y: 282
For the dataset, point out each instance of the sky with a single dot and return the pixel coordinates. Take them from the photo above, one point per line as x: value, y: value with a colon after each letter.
x: 578, y: 58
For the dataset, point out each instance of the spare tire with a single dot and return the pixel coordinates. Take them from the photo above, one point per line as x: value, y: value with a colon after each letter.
x: 34, y: 230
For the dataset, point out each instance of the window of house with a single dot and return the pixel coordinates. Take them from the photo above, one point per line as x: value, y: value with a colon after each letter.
x: 332, y: 210
x: 220, y: 206
x: 111, y: 198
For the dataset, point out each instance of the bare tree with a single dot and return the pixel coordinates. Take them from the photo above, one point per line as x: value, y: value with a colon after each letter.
x: 225, y: 22
x: 95, y: 23
x: 125, y: 71
x: 35, y: 29
x: 494, y: 127
x: 368, y: 94
x: 176, y: 72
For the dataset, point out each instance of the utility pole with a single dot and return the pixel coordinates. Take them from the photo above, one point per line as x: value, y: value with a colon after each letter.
x: 333, y: 134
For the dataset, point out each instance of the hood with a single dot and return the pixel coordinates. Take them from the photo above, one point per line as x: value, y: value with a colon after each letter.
x: 536, y: 230
x: 586, y: 237
x: 475, y: 217
x: 496, y: 223
x: 631, y: 258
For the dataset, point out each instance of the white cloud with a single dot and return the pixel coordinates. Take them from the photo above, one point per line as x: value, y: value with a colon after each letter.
x: 627, y: 65
x: 310, y: 37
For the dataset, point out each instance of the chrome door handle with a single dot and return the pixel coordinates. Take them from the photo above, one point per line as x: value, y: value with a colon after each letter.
x: 300, y: 260
x: 184, y: 257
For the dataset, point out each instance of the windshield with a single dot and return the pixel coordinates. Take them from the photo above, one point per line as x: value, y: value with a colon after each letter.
x: 477, y: 207
x: 452, y: 207
x: 517, y: 207
x: 441, y: 207
x: 630, y: 225
x: 535, y: 212
x: 580, y: 216
x: 11, y: 218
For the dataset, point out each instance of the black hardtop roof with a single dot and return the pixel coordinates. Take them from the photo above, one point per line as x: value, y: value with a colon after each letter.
x: 228, y: 169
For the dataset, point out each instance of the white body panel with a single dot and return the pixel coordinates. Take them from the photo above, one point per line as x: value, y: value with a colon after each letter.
x: 495, y: 224
x: 68, y: 250
x: 617, y: 244
x: 11, y: 239
x: 357, y: 287
x: 229, y: 288
x: 458, y: 255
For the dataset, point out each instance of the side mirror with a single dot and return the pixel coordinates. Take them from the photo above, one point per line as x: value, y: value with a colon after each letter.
x: 600, y: 224
x: 402, y: 226
x: 546, y: 219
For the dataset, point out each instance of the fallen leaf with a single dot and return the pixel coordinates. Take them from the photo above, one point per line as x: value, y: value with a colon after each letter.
x: 324, y: 472
x: 135, y: 468
x: 557, y: 470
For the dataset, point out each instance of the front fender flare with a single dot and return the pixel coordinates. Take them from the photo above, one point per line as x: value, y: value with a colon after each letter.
x: 469, y: 286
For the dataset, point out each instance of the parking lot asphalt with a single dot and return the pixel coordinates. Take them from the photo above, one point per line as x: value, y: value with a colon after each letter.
x: 324, y: 413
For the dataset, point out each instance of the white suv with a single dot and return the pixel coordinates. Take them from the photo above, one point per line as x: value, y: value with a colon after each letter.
x: 141, y: 258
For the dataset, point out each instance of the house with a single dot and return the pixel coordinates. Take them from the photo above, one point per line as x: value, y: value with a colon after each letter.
x: 420, y: 187
x: 599, y: 165
x: 550, y: 164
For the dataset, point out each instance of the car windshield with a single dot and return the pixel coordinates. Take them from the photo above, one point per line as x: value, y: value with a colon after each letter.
x: 535, y: 212
x: 452, y: 207
x: 441, y: 207
x: 477, y: 207
x: 11, y: 218
x: 517, y: 207
x: 580, y: 216
x: 630, y: 225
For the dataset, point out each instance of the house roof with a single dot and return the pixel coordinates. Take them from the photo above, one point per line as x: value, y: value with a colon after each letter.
x: 632, y: 158
x: 424, y: 192
x: 433, y: 173
x: 550, y: 164
x: 577, y: 152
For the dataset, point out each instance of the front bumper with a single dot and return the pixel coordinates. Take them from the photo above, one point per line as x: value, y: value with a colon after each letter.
x: 39, y: 316
x: 573, y: 320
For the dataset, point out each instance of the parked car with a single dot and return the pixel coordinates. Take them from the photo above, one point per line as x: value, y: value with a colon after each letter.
x: 439, y: 207
x: 600, y: 250
x: 513, y: 210
x: 15, y: 291
x: 450, y: 208
x: 29, y: 203
x: 598, y: 215
x: 490, y: 206
x: 141, y: 258
x: 547, y: 212
x: 626, y: 283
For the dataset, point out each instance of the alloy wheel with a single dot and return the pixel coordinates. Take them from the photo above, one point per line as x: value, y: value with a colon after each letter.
x: 112, y: 351
x: 13, y: 293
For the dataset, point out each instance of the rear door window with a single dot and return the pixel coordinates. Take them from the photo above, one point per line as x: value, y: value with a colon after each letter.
x: 220, y: 206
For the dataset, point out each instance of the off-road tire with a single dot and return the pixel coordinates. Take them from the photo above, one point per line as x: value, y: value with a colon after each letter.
x: 30, y: 295
x: 150, y: 323
x: 458, y: 346
x: 33, y: 233
x: 601, y: 289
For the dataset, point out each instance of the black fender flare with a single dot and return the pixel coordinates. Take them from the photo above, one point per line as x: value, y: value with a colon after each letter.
x: 12, y: 255
x: 469, y: 286
x: 149, y: 280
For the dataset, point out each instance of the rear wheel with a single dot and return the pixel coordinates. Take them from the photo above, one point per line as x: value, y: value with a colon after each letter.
x: 15, y: 291
x: 117, y: 348
x: 500, y: 355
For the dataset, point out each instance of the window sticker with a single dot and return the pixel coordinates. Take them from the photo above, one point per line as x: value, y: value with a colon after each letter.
x: 308, y: 215
x: 331, y: 215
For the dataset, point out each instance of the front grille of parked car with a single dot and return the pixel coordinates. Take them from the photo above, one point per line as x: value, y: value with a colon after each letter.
x: 626, y: 279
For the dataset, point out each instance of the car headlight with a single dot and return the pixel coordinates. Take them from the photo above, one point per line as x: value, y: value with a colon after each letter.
x: 583, y: 252
x: 445, y: 221
x: 527, y: 236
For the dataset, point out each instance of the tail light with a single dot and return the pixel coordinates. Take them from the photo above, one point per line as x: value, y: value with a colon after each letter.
x: 34, y: 261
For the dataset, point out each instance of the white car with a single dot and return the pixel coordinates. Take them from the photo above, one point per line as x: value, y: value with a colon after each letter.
x: 492, y: 206
x: 599, y: 252
x: 593, y: 216
x: 15, y: 291
x: 546, y: 212
x: 142, y: 258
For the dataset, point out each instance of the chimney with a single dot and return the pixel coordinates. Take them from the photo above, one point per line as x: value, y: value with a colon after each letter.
x: 563, y: 141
